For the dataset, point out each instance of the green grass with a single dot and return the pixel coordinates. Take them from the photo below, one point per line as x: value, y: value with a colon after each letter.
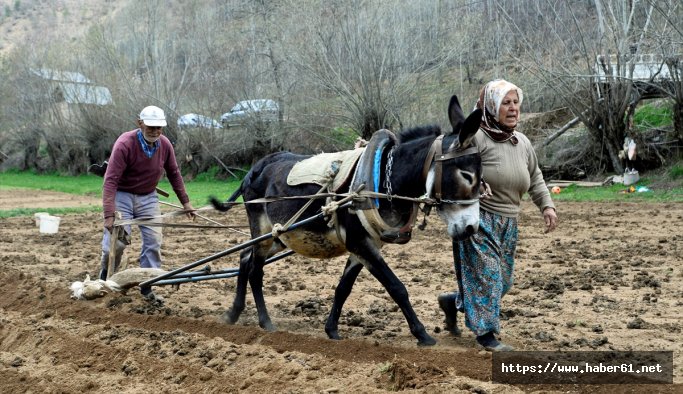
x: 650, y: 116
x: 199, y: 190
x: 676, y: 171
x: 617, y: 193
x: 205, y: 185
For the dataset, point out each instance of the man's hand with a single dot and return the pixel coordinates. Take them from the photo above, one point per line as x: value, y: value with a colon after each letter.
x: 189, y: 211
x: 109, y: 224
x: 550, y: 218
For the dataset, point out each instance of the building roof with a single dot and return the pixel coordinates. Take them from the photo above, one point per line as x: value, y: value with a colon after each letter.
x: 645, y: 67
x: 75, y: 88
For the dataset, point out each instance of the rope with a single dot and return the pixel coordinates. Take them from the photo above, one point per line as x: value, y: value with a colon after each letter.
x: 330, y: 209
x: 332, y: 206
x: 279, y: 228
x: 155, y: 222
x: 152, y: 223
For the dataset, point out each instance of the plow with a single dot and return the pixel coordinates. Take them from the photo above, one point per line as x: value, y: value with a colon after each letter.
x: 180, y: 275
x: 124, y: 280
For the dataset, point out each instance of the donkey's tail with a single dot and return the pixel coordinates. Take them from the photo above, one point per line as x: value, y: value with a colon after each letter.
x: 232, y: 201
x: 229, y: 203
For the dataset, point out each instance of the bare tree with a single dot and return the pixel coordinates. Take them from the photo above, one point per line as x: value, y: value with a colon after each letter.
x: 590, y: 66
x: 670, y: 37
x: 368, y: 59
x: 343, y: 68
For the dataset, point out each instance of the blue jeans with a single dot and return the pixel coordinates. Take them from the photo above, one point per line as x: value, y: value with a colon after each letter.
x: 137, y: 206
x: 484, y: 266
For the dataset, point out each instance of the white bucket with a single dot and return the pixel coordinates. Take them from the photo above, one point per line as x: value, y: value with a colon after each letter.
x: 49, y: 224
x: 631, y: 177
x: 37, y: 217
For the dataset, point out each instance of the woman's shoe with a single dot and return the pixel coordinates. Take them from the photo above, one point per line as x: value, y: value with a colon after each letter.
x: 447, y: 305
x: 490, y: 343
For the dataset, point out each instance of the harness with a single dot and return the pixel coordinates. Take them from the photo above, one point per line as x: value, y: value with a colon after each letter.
x: 367, y: 176
x: 436, y: 157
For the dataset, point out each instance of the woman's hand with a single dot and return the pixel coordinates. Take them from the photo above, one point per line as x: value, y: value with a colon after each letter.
x: 550, y: 218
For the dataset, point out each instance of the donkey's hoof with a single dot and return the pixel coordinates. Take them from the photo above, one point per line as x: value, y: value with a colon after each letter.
x: 333, y: 334
x: 228, y: 318
x: 447, y: 305
x: 268, y: 326
x: 426, y: 341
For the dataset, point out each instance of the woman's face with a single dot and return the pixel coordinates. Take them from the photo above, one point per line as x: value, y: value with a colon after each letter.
x: 508, y: 113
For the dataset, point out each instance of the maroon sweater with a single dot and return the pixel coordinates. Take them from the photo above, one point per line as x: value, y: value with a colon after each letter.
x: 130, y: 170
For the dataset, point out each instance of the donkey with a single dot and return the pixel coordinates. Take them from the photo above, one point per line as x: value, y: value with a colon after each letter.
x: 453, y: 178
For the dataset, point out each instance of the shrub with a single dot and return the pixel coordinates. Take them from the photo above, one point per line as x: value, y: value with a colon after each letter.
x: 654, y: 115
x: 676, y: 171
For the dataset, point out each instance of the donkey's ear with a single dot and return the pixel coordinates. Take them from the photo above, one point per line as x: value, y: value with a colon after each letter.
x: 470, y: 128
x: 455, y: 114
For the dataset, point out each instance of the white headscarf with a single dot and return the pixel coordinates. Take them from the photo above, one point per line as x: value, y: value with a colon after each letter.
x: 490, y: 98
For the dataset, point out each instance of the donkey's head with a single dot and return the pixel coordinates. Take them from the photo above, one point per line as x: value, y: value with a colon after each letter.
x: 453, y: 174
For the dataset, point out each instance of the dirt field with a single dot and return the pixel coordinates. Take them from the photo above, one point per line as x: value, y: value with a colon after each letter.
x: 610, y: 277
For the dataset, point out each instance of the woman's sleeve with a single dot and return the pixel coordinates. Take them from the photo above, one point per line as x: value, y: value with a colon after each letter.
x: 537, y: 190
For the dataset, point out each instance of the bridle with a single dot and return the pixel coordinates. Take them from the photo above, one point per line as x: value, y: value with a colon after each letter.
x: 436, y: 156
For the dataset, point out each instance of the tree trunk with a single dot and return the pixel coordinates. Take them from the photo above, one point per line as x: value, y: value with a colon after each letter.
x: 371, y: 123
x: 613, y: 152
x: 677, y: 110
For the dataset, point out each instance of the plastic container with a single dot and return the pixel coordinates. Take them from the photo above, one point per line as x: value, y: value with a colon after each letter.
x: 37, y: 217
x: 631, y: 177
x: 49, y: 224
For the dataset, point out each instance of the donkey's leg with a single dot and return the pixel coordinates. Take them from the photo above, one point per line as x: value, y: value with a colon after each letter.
x: 380, y: 270
x: 231, y: 316
x: 348, y: 278
x: 256, y: 281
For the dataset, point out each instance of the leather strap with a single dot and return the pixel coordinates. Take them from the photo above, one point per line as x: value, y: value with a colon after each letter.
x: 430, y: 157
x: 456, y: 153
x: 436, y: 156
x: 438, y: 168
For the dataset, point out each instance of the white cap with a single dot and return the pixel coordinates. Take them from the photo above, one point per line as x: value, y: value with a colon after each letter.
x: 153, y: 116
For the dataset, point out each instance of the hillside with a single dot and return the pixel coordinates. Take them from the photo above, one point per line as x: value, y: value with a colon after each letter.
x: 23, y: 22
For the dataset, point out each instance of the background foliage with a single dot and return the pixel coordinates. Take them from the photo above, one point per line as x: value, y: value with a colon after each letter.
x: 339, y: 69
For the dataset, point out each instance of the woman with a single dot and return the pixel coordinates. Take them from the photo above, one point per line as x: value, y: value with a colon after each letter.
x: 484, y: 263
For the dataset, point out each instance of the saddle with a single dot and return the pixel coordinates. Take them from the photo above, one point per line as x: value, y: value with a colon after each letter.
x: 335, y: 169
x: 325, y: 169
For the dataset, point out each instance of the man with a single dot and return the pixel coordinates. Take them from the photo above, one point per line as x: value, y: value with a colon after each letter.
x: 137, y: 163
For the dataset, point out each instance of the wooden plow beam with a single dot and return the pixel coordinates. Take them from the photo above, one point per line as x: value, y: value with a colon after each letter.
x: 173, y: 275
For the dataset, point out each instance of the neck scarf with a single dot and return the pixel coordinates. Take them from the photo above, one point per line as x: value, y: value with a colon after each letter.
x: 149, y: 150
x: 490, y: 98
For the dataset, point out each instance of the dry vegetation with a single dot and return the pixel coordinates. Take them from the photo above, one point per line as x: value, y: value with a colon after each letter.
x: 337, y: 71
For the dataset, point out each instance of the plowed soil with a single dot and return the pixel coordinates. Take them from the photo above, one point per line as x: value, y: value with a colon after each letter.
x: 610, y: 278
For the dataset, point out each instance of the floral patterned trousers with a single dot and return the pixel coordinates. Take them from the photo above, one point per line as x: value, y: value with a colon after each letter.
x: 484, y: 266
